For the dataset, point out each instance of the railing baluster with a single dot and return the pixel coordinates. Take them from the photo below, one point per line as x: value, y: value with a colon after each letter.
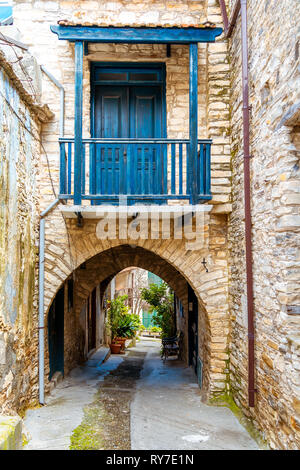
x: 83, y: 169
x: 165, y: 169
x: 208, y: 167
x: 180, y: 168
x: 201, y: 177
x: 105, y: 170
x: 62, y: 181
x: 143, y: 170
x: 188, y: 188
x: 153, y: 186
x: 99, y: 170
x: 129, y: 176
x: 159, y: 168
x: 92, y: 168
x: 113, y: 169
x: 135, y: 151
x: 70, y: 168
x: 173, y: 174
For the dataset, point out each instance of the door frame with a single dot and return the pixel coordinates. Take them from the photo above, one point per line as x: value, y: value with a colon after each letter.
x: 193, y: 319
x: 56, y: 317
x: 127, y: 66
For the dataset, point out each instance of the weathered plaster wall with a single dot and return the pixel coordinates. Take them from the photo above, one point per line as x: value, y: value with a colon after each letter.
x: 19, y: 160
x: 275, y: 183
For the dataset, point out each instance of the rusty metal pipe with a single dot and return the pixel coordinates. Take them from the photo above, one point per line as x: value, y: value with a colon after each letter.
x: 241, y: 5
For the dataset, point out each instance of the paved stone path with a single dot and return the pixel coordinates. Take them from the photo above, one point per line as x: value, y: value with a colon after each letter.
x: 162, y: 399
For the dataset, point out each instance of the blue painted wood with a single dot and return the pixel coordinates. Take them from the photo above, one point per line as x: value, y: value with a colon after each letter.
x: 180, y: 169
x: 173, y: 175
x: 132, y: 112
x: 165, y: 168
x: 142, y: 166
x: 114, y: 168
x: 188, y: 184
x: 207, y: 168
x: 193, y: 97
x: 142, y: 35
x: 92, y: 186
x: 78, y: 121
x: 63, y: 168
x: 83, y: 169
x: 200, y: 172
x: 69, y: 167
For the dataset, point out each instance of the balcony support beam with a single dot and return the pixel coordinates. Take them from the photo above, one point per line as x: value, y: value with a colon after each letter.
x: 193, y: 96
x: 78, y: 121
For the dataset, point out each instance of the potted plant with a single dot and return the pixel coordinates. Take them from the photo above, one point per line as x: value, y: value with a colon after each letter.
x: 156, y: 331
x: 116, y: 311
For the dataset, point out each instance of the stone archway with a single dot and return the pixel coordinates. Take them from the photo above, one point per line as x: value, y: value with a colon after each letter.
x: 169, y: 259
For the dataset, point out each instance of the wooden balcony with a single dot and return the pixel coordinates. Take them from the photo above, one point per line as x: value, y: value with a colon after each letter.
x: 143, y: 170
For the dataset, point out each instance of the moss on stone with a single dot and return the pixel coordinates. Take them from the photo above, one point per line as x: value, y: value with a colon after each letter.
x: 226, y: 400
x: 89, y: 434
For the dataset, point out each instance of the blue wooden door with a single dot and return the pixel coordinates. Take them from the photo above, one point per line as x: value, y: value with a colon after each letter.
x: 127, y: 111
x: 56, y: 334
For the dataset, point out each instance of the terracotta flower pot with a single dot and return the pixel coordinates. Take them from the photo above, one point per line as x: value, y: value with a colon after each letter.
x: 121, y: 341
x: 115, y: 348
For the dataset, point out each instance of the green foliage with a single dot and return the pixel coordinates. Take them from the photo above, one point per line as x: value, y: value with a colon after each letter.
x: 120, y: 321
x: 128, y: 325
x: 155, y: 329
x: 161, y: 301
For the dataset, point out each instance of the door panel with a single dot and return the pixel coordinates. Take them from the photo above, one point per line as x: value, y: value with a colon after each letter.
x: 145, y: 112
x: 146, y: 122
x: 56, y: 334
x: 111, y: 112
x: 128, y: 112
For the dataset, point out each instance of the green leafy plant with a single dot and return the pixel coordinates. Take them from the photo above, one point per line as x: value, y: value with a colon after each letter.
x: 128, y: 325
x: 117, y: 308
x: 161, y: 301
x: 155, y: 329
x: 120, y: 321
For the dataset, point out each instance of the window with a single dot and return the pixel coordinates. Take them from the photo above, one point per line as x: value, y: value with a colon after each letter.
x: 6, y: 13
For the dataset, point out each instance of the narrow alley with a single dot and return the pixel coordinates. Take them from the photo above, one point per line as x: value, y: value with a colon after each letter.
x: 135, y: 401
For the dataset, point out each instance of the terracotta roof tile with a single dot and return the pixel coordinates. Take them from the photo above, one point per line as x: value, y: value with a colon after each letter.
x: 78, y: 22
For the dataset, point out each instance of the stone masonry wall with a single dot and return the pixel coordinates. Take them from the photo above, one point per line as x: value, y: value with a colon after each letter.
x: 274, y: 90
x: 19, y: 156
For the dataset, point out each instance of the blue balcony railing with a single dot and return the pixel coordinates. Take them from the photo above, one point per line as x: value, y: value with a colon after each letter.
x: 145, y: 170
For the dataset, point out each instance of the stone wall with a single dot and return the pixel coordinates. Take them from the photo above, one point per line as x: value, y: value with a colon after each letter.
x: 274, y: 92
x: 19, y: 216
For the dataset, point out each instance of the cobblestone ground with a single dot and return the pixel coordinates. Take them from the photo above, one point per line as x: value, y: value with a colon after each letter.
x: 135, y: 402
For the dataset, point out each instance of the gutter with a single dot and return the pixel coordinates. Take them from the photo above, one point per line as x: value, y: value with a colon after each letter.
x: 241, y: 6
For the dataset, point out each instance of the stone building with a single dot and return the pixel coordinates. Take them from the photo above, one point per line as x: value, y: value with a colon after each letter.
x: 211, y: 279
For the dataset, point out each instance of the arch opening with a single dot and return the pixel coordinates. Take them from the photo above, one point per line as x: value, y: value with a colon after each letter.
x: 84, y: 313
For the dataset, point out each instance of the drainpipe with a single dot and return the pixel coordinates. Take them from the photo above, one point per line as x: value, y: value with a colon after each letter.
x: 41, y: 300
x: 62, y: 100
x: 241, y: 6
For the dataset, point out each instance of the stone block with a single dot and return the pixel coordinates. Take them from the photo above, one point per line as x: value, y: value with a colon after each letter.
x: 10, y: 433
